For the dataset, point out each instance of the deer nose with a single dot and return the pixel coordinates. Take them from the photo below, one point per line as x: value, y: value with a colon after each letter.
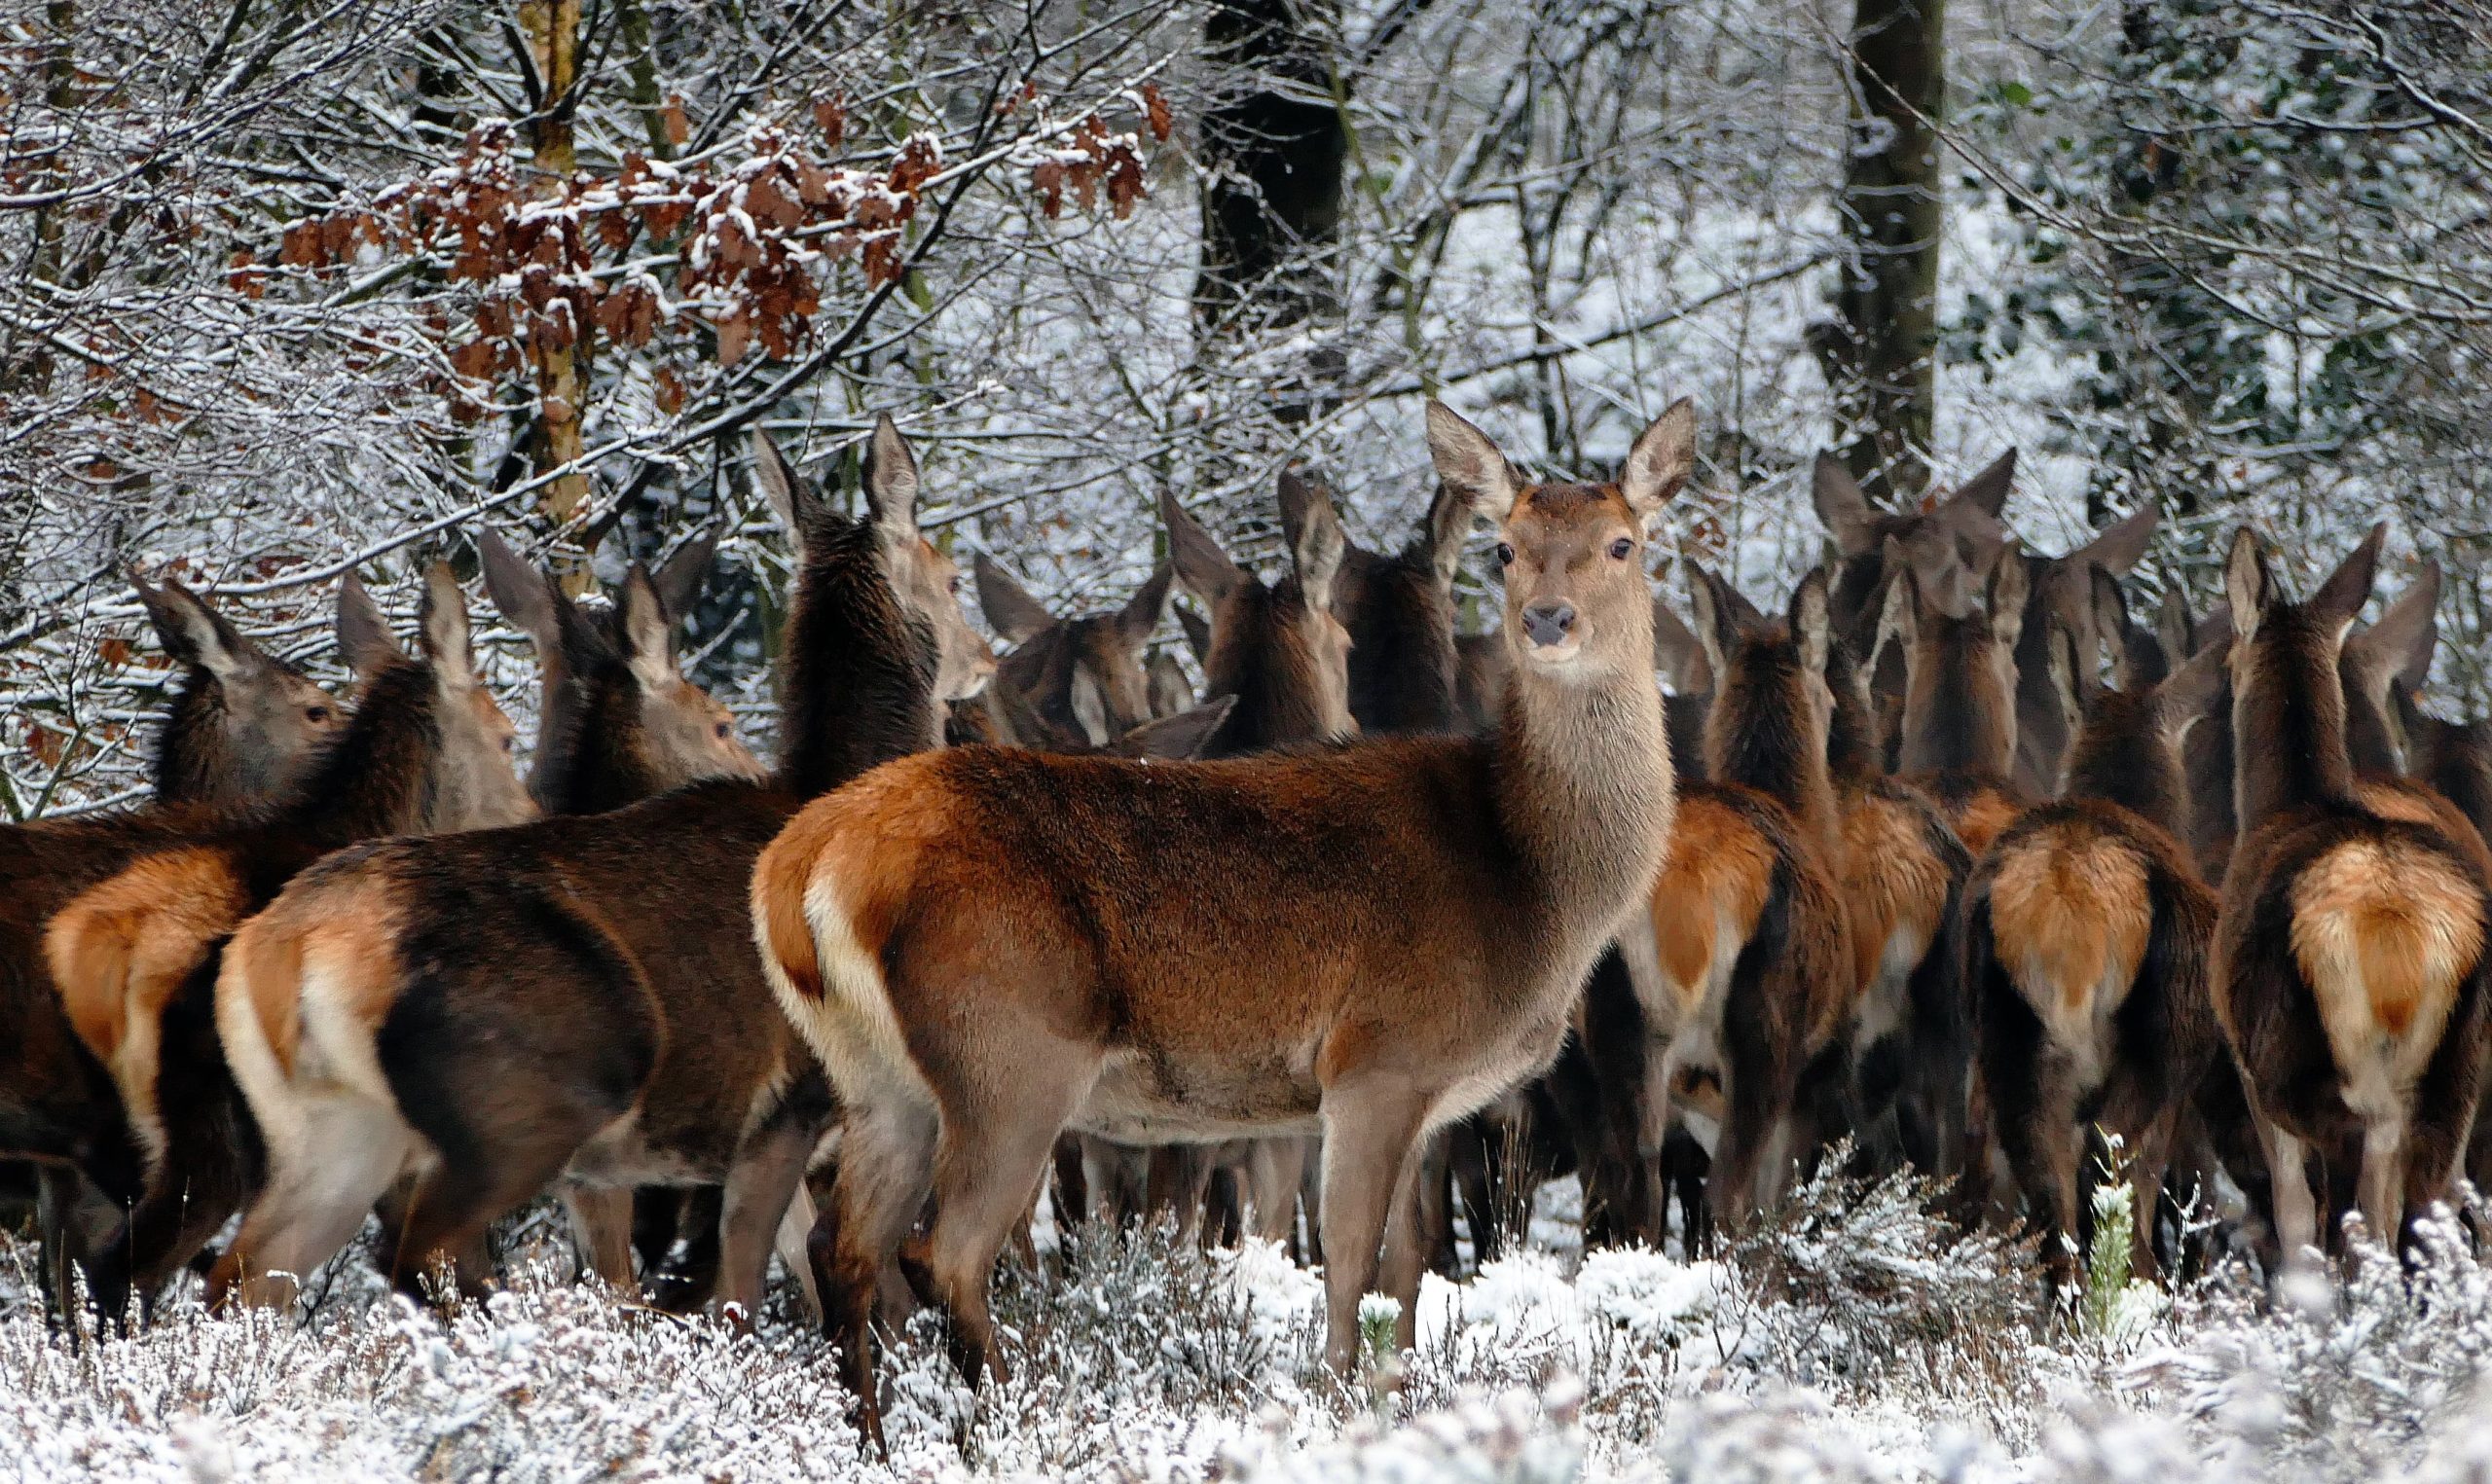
x: 1548, y: 623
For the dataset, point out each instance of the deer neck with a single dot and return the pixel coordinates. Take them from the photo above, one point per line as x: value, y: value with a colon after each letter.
x: 861, y: 671
x: 1585, y: 794
x: 378, y: 778
x: 2289, y: 738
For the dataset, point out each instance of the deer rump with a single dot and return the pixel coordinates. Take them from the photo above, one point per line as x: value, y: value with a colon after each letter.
x: 1075, y: 889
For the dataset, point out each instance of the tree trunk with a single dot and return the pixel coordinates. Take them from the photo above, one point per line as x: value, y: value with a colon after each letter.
x: 553, y: 31
x: 1882, y: 355
x: 1274, y: 154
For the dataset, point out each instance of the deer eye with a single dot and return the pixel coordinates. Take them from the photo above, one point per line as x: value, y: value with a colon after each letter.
x: 727, y: 729
x: 956, y: 583
x: 1505, y: 555
x: 1620, y: 549
x: 318, y: 715
x: 510, y: 743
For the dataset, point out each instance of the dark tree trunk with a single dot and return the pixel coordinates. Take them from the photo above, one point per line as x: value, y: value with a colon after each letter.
x: 1274, y: 154
x: 1882, y: 355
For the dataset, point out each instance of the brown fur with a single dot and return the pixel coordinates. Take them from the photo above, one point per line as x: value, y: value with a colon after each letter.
x: 2350, y: 966
x: 1137, y: 940
x: 568, y: 999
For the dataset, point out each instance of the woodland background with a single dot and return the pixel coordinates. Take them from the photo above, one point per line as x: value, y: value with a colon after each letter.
x: 287, y: 285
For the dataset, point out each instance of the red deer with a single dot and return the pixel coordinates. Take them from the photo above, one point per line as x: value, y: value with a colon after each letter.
x: 1901, y: 868
x: 2086, y: 938
x: 1959, y: 722
x: 2454, y: 758
x: 1085, y: 676
x: 1369, y: 940
x: 1956, y: 542
x: 128, y: 960
x: 2349, y: 959
x: 578, y: 998
x: 246, y: 727
x: 2060, y: 589
x: 1744, y: 966
x: 619, y: 724
x: 1480, y: 678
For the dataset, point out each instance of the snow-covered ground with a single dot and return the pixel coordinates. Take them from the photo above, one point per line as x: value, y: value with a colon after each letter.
x: 1851, y: 1339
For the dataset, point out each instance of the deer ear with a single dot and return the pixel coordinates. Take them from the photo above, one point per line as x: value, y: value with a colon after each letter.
x: 2109, y: 611
x: 1089, y: 706
x: 1317, y: 544
x: 1180, y: 736
x: 1007, y: 606
x: 1987, y: 492
x: 680, y: 578
x: 2068, y: 673
x: 1139, y: 619
x: 1169, y: 690
x: 1842, y: 508
x: 891, y: 482
x: 364, y: 640
x: 2247, y: 585
x: 2399, y: 646
x: 792, y: 499
x: 2173, y: 628
x: 1467, y: 460
x: 2190, y: 692
x: 1198, y: 630
x: 520, y: 592
x: 2009, y: 586
x: 2340, y: 599
x: 441, y: 624
x: 1899, y: 616
x: 195, y: 633
x: 1812, y: 622
x: 1449, y: 522
x: 1717, y: 618
x: 1678, y: 653
x: 648, y: 637
x: 1201, y: 566
x: 1657, y: 467
x: 2120, y: 545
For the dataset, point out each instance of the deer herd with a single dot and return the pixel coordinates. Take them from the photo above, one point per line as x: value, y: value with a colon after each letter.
x: 1955, y: 862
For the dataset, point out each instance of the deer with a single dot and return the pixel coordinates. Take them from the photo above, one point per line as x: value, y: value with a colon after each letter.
x: 619, y: 723
x: 245, y: 729
x: 2086, y: 939
x: 127, y: 960
x: 1744, y: 961
x: 1147, y: 957
x: 2349, y: 962
x: 1281, y: 651
x: 578, y: 999
x: 1085, y: 676
x: 246, y: 726
x: 1959, y: 717
x: 2060, y: 589
x: 1956, y: 542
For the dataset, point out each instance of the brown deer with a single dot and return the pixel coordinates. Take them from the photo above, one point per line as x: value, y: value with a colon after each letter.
x: 577, y: 997
x: 128, y: 959
x: 1744, y: 966
x: 246, y: 726
x: 244, y: 731
x: 2061, y: 589
x: 619, y: 724
x: 2349, y: 962
x: 2086, y: 939
x: 1953, y: 545
x: 2454, y: 758
x: 1960, y: 716
x: 1148, y: 953
x: 1086, y: 675
x: 1278, y: 648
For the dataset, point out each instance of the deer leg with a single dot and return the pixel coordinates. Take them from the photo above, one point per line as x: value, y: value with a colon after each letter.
x: 1180, y: 1178
x: 1072, y: 1182
x: 759, y: 1186
x: 601, y: 1233
x: 1410, y: 1229
x: 886, y: 1153
x: 1274, y: 1169
x: 2383, y: 1180
x: 453, y: 1204
x: 1370, y: 1134
x: 986, y: 1172
x: 314, y: 1203
x: 2288, y: 1176
x: 794, y: 1251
